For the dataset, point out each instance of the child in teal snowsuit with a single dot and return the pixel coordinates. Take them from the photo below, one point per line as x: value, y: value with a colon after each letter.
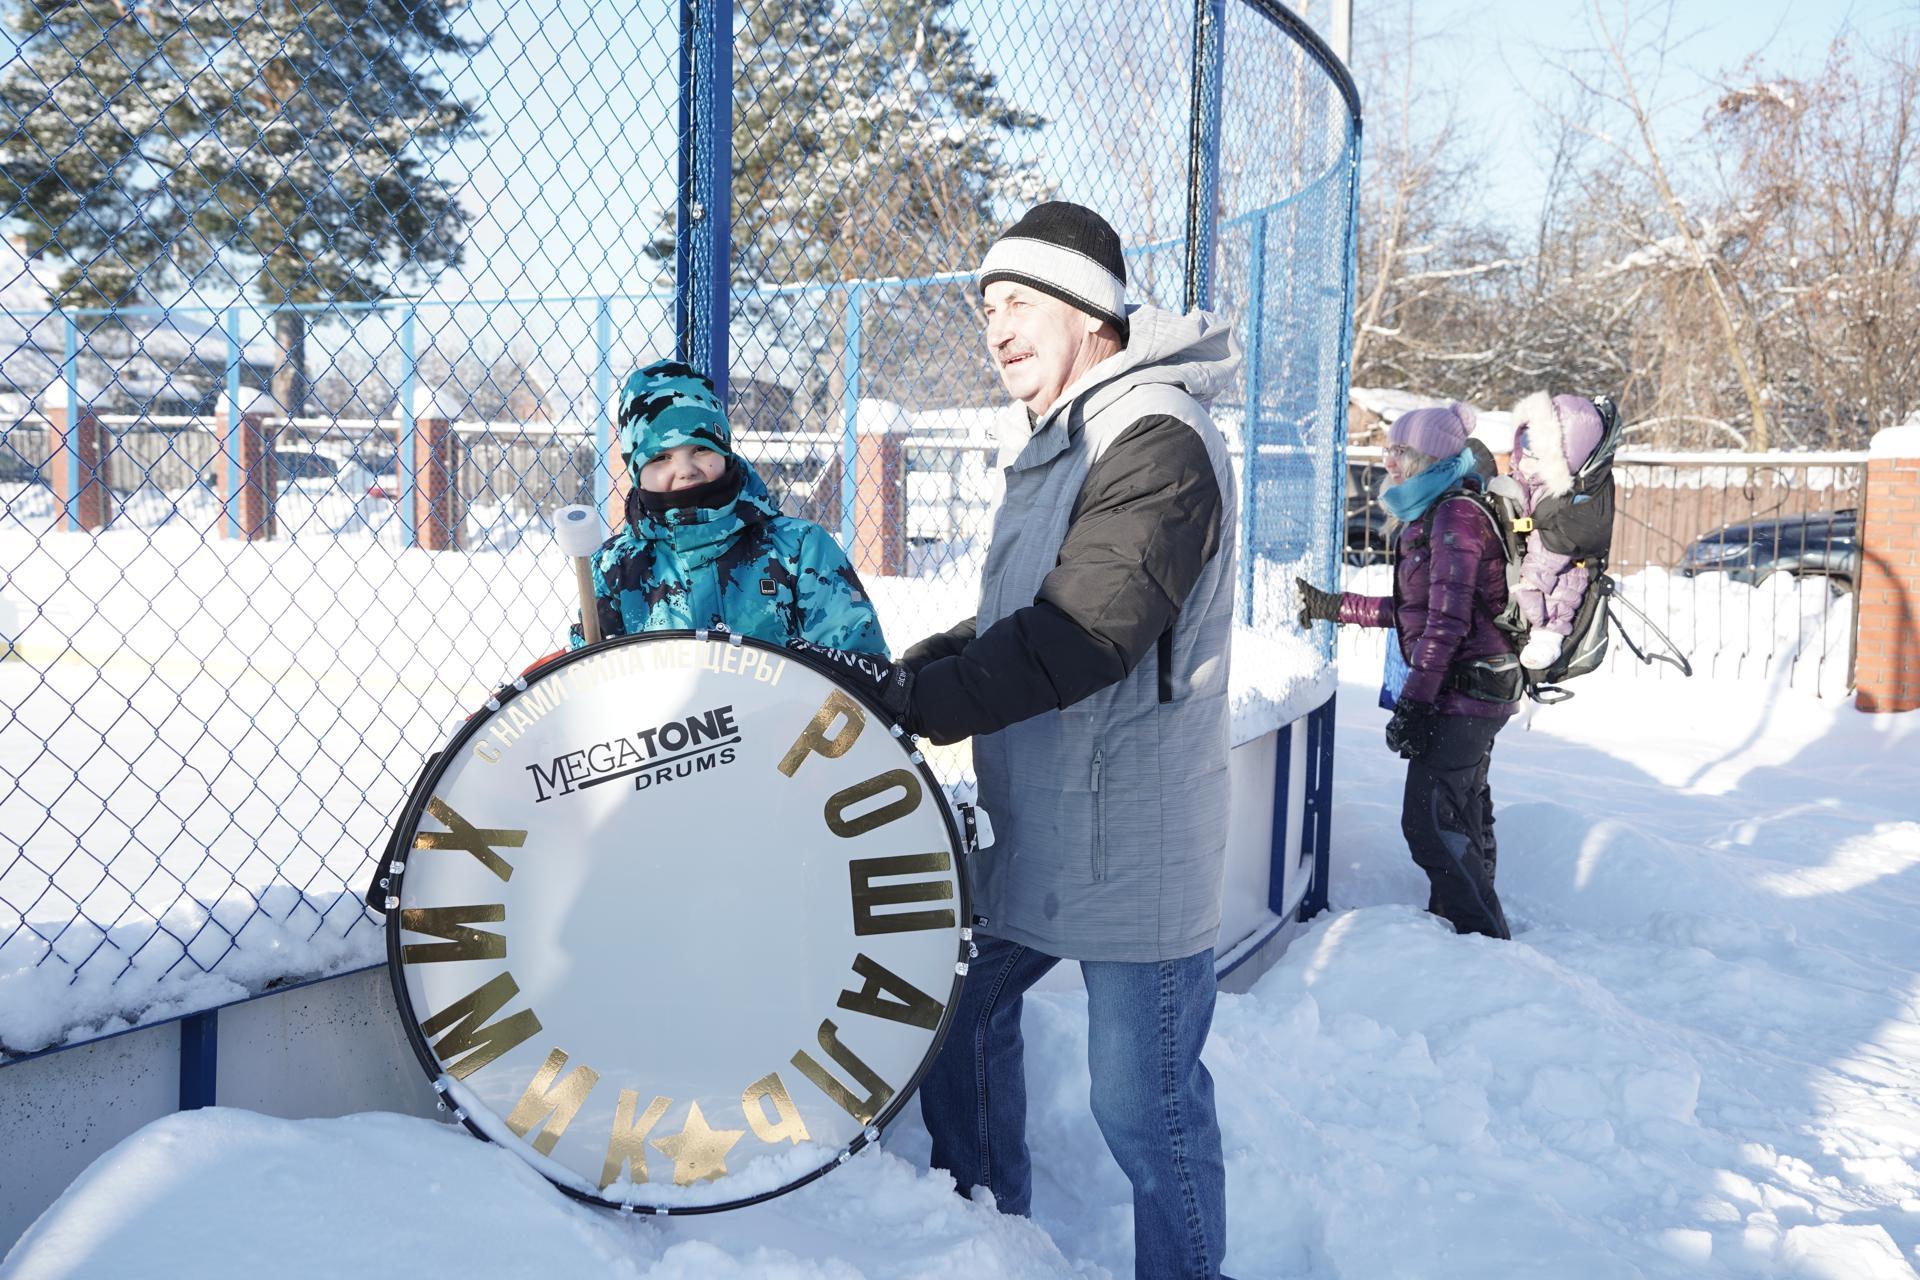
x: 703, y: 545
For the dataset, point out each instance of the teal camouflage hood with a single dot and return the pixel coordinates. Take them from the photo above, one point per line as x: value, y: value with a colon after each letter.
x: 666, y: 405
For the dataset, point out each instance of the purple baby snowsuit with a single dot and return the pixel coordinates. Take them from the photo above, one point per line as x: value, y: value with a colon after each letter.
x: 1552, y: 439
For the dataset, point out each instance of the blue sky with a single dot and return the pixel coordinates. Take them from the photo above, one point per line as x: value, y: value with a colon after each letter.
x: 1492, y: 52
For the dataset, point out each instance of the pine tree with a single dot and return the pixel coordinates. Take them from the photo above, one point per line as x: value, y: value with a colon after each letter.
x: 88, y: 111
x: 272, y: 146
x: 868, y: 142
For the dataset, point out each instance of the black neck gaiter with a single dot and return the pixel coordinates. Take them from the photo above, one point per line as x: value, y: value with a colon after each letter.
x: 714, y: 493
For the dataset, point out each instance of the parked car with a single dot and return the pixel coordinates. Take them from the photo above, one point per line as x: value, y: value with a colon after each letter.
x: 15, y: 469
x: 305, y: 470
x: 1822, y: 544
x: 1366, y: 539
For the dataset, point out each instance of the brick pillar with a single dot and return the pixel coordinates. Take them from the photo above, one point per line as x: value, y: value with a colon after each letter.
x: 620, y: 482
x: 85, y: 442
x: 1887, y: 592
x: 880, y: 505
x: 439, y: 514
x: 251, y: 441
x: 824, y: 510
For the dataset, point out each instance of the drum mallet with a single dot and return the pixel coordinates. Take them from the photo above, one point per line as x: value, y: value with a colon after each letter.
x: 579, y: 532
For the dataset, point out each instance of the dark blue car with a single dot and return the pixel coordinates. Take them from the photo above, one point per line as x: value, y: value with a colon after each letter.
x: 1823, y: 544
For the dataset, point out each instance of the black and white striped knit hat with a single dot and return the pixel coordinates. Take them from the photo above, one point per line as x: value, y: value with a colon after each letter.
x: 1068, y: 251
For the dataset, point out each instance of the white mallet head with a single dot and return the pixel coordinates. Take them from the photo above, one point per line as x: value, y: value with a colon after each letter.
x: 578, y: 530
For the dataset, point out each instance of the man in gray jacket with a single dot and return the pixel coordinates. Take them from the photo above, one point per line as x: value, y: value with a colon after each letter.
x: 1093, y: 682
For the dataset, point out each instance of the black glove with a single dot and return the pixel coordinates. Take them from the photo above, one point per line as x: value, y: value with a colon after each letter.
x: 1410, y: 732
x: 1316, y: 605
x: 888, y: 683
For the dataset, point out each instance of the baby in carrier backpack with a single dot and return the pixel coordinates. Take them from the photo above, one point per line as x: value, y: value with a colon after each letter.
x: 1554, y: 437
x: 703, y: 546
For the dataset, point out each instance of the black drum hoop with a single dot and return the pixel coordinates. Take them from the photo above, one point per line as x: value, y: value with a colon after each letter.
x: 436, y: 768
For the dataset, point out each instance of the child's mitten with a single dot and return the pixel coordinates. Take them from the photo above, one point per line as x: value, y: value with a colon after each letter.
x: 1541, y: 648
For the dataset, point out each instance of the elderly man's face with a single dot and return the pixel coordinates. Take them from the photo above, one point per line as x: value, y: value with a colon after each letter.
x: 1039, y: 344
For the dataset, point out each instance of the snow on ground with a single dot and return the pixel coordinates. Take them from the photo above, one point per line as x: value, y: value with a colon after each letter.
x: 1700, y: 1057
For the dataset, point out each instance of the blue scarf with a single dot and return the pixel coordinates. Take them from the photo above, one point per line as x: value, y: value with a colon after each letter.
x: 1409, y: 500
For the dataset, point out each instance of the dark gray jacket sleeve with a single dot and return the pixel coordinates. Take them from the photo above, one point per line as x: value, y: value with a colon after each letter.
x: 1146, y: 522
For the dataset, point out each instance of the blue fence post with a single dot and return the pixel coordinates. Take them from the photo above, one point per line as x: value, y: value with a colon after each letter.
x: 230, y: 447
x: 1203, y: 155
x: 199, y: 1059
x: 405, y: 445
x: 70, y: 371
x: 850, y: 417
x: 702, y: 297
x: 604, y: 408
x: 1316, y: 831
x: 1250, y: 434
x: 1280, y: 854
x: 684, y: 164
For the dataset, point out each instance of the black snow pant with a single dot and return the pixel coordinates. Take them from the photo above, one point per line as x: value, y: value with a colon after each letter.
x: 1447, y: 817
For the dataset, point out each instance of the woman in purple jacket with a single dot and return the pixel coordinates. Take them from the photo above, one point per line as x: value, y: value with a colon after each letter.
x: 1449, y: 583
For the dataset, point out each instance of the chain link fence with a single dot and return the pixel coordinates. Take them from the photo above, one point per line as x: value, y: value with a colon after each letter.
x: 311, y: 317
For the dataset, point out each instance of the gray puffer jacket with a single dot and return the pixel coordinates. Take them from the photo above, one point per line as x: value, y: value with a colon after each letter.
x: 1093, y: 680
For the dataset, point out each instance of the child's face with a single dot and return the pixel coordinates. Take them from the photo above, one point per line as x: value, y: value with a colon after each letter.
x: 681, y: 468
x: 1523, y: 460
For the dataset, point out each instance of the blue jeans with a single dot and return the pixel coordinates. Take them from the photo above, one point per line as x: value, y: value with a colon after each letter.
x: 1151, y: 1097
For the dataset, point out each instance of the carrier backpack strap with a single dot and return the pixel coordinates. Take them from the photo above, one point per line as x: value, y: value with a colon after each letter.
x: 1507, y: 529
x: 1673, y: 656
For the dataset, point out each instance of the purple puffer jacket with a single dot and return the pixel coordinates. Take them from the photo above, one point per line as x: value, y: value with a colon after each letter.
x: 1434, y: 604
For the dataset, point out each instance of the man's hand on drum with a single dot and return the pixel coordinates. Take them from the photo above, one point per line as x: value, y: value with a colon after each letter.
x: 888, y: 683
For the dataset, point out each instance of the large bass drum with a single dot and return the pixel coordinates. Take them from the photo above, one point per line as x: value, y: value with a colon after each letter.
x: 679, y: 921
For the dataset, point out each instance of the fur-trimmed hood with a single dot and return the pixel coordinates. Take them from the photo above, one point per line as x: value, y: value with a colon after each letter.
x: 1561, y: 433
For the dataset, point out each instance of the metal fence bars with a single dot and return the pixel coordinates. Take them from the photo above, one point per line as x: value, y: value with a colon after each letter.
x: 311, y: 319
x: 1746, y: 562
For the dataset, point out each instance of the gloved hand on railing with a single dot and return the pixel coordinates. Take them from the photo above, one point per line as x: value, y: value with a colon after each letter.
x: 1316, y: 605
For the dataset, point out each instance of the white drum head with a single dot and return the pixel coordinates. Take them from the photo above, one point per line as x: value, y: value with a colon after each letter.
x: 680, y: 924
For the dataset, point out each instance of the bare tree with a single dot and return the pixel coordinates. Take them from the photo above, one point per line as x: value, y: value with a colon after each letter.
x: 1429, y: 261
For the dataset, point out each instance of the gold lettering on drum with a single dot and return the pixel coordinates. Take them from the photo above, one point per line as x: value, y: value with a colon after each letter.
x: 862, y: 1109
x: 867, y: 895
x: 629, y: 1139
x: 840, y: 801
x: 813, y: 739
x: 465, y: 1033
x: 788, y: 1126
x: 461, y: 834
x: 486, y: 751
x: 462, y: 943
x: 698, y: 1151
x: 557, y: 1104
x: 885, y: 994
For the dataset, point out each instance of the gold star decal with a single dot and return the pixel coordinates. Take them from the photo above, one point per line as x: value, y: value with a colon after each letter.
x: 698, y: 1152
